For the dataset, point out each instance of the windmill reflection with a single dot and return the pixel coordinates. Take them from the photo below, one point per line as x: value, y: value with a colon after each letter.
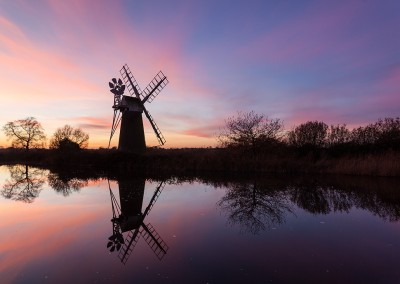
x: 64, y: 184
x: 25, y: 183
x: 255, y: 207
x: 128, y: 218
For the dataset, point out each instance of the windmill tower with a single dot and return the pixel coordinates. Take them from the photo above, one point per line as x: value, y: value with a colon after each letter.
x: 128, y: 110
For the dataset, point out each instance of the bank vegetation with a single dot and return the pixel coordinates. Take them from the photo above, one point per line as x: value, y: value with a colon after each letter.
x: 248, y: 144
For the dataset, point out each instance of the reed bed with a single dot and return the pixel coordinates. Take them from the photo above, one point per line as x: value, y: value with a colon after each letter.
x: 212, y: 160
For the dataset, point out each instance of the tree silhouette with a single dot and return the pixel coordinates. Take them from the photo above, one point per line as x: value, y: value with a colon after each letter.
x: 385, y: 133
x: 338, y: 134
x: 249, y: 130
x: 255, y: 208
x: 25, y: 133
x: 67, y: 136
x: 311, y: 133
x: 25, y: 183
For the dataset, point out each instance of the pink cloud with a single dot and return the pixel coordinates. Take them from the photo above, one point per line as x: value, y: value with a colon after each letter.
x: 384, y: 98
x: 308, y: 36
x: 204, y: 131
x: 391, y: 80
x: 93, y: 122
x: 36, y: 66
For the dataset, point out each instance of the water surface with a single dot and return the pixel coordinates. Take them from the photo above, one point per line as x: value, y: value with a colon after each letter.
x: 56, y: 229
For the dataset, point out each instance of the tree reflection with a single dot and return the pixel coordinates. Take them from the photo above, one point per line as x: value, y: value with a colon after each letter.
x: 321, y: 200
x: 318, y: 197
x: 25, y: 183
x: 254, y: 206
x: 64, y: 184
x: 261, y: 204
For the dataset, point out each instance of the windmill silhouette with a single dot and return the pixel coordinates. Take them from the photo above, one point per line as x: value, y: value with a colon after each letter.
x: 129, y: 218
x: 128, y: 110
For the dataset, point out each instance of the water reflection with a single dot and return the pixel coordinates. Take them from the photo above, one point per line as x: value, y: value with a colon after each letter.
x: 35, y: 239
x: 128, y: 218
x: 264, y: 203
x: 64, y: 184
x: 255, y: 206
x: 25, y: 183
x: 379, y: 196
x: 319, y: 200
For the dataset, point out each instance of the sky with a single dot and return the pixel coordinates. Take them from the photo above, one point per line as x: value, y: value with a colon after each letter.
x: 332, y: 61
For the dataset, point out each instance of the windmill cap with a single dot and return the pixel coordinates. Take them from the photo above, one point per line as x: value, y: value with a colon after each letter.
x: 132, y: 103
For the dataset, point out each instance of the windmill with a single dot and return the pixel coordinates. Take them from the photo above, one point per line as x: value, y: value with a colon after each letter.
x: 129, y: 218
x: 128, y: 110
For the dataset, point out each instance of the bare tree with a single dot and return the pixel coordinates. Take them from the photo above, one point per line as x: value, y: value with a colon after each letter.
x: 25, y: 133
x: 69, y: 134
x: 249, y: 130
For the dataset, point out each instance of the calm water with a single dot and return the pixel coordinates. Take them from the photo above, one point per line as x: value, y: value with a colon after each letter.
x: 56, y: 229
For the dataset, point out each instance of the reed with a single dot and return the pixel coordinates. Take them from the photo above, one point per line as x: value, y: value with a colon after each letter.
x: 379, y: 164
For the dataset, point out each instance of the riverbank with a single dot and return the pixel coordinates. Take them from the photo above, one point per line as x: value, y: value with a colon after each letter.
x: 175, y: 162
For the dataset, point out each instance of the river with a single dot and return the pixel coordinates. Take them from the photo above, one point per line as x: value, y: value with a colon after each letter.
x: 58, y: 228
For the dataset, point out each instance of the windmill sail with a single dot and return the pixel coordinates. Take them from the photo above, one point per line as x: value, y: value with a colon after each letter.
x: 154, y: 87
x: 159, y: 135
x: 116, y: 120
x: 130, y: 82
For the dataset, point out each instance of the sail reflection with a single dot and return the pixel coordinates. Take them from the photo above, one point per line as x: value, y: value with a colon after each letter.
x: 25, y: 183
x: 128, y: 219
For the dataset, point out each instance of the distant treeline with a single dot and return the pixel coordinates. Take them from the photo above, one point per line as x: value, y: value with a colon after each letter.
x: 250, y: 144
x: 257, y: 133
x: 379, y: 136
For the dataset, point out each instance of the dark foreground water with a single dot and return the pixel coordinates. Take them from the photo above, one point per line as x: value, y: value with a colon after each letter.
x: 60, y: 229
